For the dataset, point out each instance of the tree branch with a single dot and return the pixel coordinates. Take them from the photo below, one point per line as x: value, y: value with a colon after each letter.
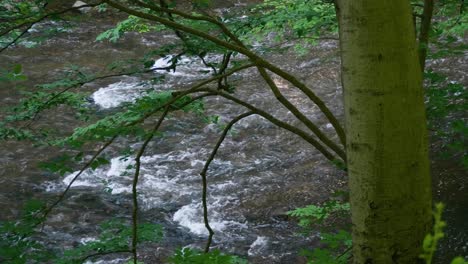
x: 301, y: 133
x: 17, y: 38
x: 81, y: 83
x: 424, y: 32
x: 47, y: 211
x: 194, y: 89
x: 204, y: 180
x: 135, y: 183
x: 251, y: 55
x: 299, y: 115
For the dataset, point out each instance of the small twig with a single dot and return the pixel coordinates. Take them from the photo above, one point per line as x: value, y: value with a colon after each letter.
x: 193, y: 89
x: 135, y: 183
x: 203, y: 175
x: 17, y: 38
x: 79, y: 84
x: 222, y: 69
x: 47, y: 211
x: 207, y: 64
x: 180, y: 35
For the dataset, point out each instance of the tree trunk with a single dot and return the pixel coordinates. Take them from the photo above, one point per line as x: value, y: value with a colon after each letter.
x: 424, y: 32
x: 388, y: 164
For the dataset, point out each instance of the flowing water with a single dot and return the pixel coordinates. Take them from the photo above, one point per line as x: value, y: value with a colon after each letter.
x: 259, y: 174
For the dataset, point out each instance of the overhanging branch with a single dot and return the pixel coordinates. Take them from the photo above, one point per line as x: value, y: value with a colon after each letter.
x: 257, y: 60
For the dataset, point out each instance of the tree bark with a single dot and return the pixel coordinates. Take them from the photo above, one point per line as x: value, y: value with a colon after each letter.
x: 387, y: 150
x: 424, y: 32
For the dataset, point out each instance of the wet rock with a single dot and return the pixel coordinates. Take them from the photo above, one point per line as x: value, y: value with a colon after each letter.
x: 59, y: 5
x: 275, y: 203
x: 81, y: 3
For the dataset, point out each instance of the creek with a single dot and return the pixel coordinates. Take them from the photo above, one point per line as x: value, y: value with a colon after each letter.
x: 260, y: 173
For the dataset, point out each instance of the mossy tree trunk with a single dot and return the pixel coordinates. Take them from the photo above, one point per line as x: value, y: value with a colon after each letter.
x: 386, y: 133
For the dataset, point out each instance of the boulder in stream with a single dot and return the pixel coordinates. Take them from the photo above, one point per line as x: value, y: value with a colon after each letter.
x: 84, y: 9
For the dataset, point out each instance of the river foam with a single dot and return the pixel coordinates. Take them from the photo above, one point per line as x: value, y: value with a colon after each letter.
x: 187, y: 69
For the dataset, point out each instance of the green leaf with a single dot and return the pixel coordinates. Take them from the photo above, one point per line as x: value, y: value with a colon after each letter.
x: 336, y: 240
x: 148, y: 63
x: 191, y: 256
x: 99, y: 162
x: 459, y: 260
x: 17, y: 69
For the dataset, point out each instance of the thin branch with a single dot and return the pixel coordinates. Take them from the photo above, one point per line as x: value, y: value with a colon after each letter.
x: 193, y: 89
x: 164, y: 9
x: 222, y: 69
x: 344, y: 252
x: 47, y: 211
x: 207, y: 64
x: 137, y: 175
x: 17, y: 38
x: 181, y: 36
x: 135, y: 183
x: 79, y: 84
x: 206, y: 18
x: 301, y: 133
x: 299, y: 115
x: 204, y: 180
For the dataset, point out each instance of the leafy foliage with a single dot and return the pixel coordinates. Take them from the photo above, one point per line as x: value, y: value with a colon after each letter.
x: 431, y: 240
x: 12, y: 133
x: 19, y: 243
x: 20, y: 23
x: 455, y: 18
x: 132, y: 23
x: 317, y: 213
x: 36, y: 102
x: 115, y: 237
x: 123, y: 123
x: 291, y: 19
x: 16, y: 243
x: 448, y: 28
x: 313, y: 216
x: 447, y: 100
x: 190, y: 256
x: 15, y: 74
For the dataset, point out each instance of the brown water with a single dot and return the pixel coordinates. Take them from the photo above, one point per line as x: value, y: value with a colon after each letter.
x: 261, y: 172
